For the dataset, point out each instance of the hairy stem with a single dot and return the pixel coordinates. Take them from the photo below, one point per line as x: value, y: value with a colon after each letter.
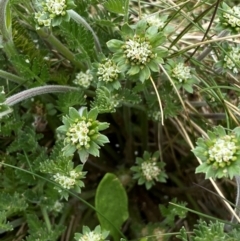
x: 26, y: 94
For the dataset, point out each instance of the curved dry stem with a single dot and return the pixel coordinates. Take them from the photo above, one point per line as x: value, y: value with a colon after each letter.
x: 210, y: 41
x: 159, y: 100
x: 174, y: 86
x: 207, y: 50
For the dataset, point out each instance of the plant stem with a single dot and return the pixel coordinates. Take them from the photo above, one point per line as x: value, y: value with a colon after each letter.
x: 50, y: 38
x: 126, y: 11
x: 46, y: 218
x: 14, y: 78
x: 237, y: 207
x: 5, y: 20
x: 26, y: 94
x: 207, y: 50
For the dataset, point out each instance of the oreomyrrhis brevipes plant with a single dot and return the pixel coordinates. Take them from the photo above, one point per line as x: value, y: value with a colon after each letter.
x: 100, y: 104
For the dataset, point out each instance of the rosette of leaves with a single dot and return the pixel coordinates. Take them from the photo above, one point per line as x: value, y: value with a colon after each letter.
x: 220, y: 153
x: 81, y: 131
x: 139, y: 53
x: 148, y: 170
x: 182, y: 75
x: 213, y: 231
x: 62, y: 172
x: 107, y: 73
x: 230, y: 18
x: 107, y: 101
x: 52, y: 12
x: 87, y: 235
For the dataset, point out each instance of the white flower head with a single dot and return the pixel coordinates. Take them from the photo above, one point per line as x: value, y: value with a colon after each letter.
x: 181, y: 72
x: 108, y: 71
x: 83, y: 79
x: 233, y: 17
x: 65, y: 181
x: 91, y: 236
x: 138, y: 51
x: 150, y: 170
x: 154, y: 20
x: 78, y: 134
x: 223, y: 150
x: 55, y: 7
x: 232, y: 59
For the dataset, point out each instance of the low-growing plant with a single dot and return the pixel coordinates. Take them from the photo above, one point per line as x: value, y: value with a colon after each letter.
x: 101, y: 103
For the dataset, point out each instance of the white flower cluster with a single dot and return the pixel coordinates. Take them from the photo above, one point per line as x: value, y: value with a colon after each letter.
x: 78, y: 134
x: 138, y: 51
x: 231, y: 19
x: 56, y: 7
x: 181, y: 72
x: 223, y: 150
x: 150, y: 170
x: 67, y: 182
x: 91, y: 236
x: 107, y: 71
x: 83, y: 79
x: 58, y: 206
x: 51, y: 9
x: 154, y: 20
x: 154, y: 115
x: 232, y: 59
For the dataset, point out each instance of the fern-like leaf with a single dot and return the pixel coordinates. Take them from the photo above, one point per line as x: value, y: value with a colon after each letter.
x: 78, y: 39
x: 70, y: 99
x: 115, y: 6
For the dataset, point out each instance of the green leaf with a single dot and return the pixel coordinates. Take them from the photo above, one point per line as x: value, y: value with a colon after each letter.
x: 114, y: 44
x: 112, y: 204
x: 83, y: 155
x: 133, y: 70
x: 78, y: 38
x: 141, y: 27
x: 115, y: 6
x: 93, y: 113
x: 73, y: 113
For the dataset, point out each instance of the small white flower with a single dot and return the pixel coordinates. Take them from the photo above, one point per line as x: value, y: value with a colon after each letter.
x: 83, y: 79
x: 150, y: 170
x: 223, y: 150
x: 91, y: 236
x: 65, y: 181
x: 181, y: 72
x: 154, y: 20
x: 78, y: 134
x: 107, y: 71
x: 57, y: 207
x: 56, y: 7
x: 138, y: 51
x: 232, y: 20
x: 232, y: 59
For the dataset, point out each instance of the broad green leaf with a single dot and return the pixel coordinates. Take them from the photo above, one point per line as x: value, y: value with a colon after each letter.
x: 93, y: 113
x: 73, y: 113
x: 115, y: 6
x: 111, y: 201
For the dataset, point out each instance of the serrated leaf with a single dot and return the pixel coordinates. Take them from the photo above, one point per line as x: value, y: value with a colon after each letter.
x: 78, y: 38
x: 111, y: 201
x: 115, y: 6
